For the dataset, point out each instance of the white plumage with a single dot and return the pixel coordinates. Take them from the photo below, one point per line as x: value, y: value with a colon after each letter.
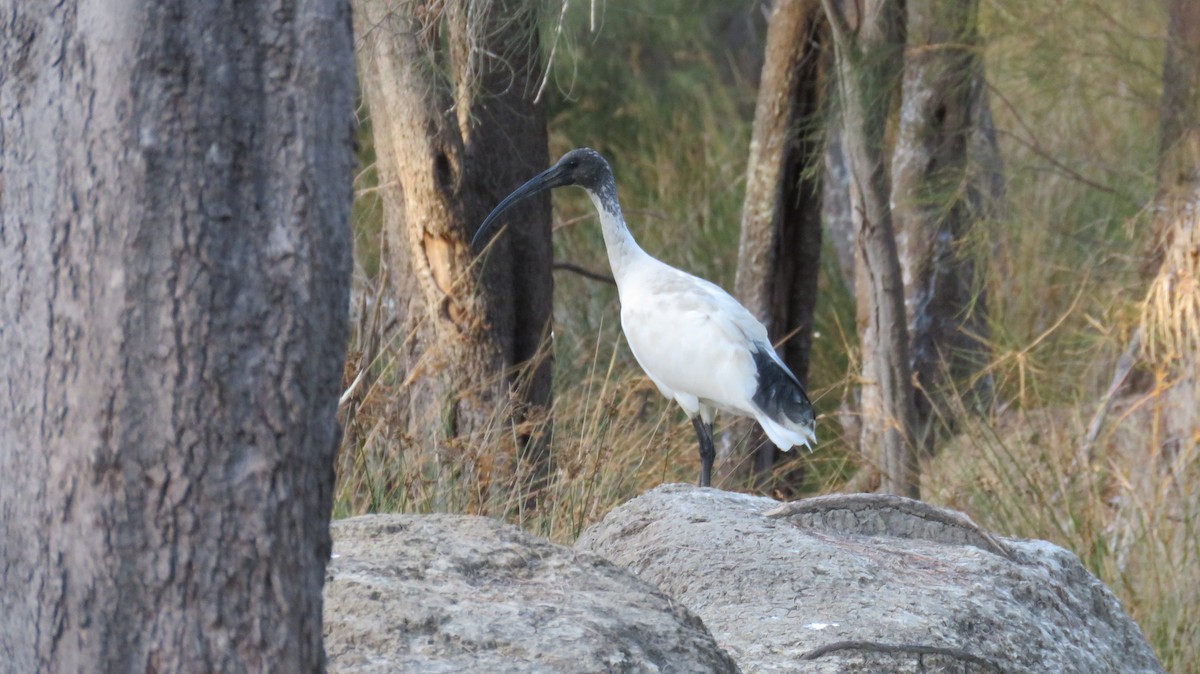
x: 698, y: 345
x: 695, y: 343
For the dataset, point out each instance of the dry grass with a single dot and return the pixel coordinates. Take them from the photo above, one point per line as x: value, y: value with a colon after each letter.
x: 1075, y: 89
x: 1131, y: 515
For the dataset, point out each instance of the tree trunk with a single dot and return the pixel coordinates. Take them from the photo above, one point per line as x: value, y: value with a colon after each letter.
x: 175, y: 251
x: 454, y: 133
x: 838, y: 216
x: 868, y: 59
x: 1170, y: 330
x: 780, y: 247
x: 1170, y: 326
x: 505, y: 143
x: 1179, y: 130
x: 938, y: 196
x: 1161, y: 359
x: 837, y: 209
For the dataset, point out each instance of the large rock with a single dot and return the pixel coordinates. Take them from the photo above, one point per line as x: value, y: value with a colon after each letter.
x: 868, y: 584
x: 450, y: 593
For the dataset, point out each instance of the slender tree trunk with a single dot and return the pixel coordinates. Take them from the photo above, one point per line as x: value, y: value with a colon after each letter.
x: 1170, y: 330
x: 779, y: 252
x: 455, y: 130
x: 1179, y: 131
x: 1179, y: 128
x: 869, y: 59
x: 838, y: 215
x: 739, y: 28
x: 837, y: 210
x: 937, y: 199
x: 1161, y: 359
x: 175, y: 190
x: 1170, y: 327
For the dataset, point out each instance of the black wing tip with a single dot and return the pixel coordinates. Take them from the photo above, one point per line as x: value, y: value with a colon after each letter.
x: 779, y: 393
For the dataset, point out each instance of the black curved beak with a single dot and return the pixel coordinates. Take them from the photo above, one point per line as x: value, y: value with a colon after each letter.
x: 555, y: 176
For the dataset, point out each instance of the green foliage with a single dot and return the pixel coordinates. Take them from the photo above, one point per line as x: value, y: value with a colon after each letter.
x: 658, y: 88
x: 367, y: 213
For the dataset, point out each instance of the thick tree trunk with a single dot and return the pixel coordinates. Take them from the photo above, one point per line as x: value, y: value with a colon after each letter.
x: 869, y: 61
x: 451, y: 141
x: 505, y: 144
x: 938, y: 196
x: 780, y: 247
x: 175, y: 253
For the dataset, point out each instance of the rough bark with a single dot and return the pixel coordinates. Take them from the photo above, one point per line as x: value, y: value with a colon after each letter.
x: 174, y: 244
x: 938, y: 198
x: 780, y: 247
x: 505, y: 144
x: 868, y: 61
x: 455, y: 130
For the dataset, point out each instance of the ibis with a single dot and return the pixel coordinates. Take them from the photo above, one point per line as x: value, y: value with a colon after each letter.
x: 699, y: 346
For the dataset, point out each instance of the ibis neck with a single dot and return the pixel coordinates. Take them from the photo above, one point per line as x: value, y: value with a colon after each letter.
x: 623, y: 250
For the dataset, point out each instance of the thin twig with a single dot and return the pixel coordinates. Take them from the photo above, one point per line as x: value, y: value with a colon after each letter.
x: 1125, y: 365
x: 837, y: 22
x: 1037, y: 150
x: 585, y: 272
x: 553, y: 50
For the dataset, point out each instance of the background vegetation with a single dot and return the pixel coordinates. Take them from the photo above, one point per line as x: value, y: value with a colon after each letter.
x: 665, y: 89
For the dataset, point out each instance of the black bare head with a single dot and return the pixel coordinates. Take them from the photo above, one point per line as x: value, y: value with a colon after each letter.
x: 586, y: 168
x: 582, y: 166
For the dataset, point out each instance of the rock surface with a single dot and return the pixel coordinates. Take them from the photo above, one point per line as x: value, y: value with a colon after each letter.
x: 869, y: 583
x: 449, y: 593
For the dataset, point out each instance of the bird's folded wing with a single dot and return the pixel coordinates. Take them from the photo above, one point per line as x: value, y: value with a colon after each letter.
x: 692, y: 337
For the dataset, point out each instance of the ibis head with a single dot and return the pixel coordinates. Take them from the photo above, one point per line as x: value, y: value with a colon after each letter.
x: 582, y: 166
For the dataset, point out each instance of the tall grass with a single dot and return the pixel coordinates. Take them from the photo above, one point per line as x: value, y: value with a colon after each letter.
x: 656, y: 88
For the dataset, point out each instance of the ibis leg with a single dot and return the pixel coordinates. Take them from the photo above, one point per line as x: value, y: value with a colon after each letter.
x: 707, y: 451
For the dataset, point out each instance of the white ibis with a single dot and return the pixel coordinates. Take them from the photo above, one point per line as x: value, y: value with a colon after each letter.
x: 696, y: 343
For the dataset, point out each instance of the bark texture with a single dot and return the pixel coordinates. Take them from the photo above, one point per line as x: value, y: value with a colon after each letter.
x: 780, y: 248
x: 869, y: 64
x: 938, y: 197
x: 455, y: 131
x: 504, y: 144
x: 175, y: 251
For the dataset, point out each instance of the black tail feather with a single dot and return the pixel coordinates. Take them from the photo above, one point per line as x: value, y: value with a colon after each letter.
x: 779, y: 394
